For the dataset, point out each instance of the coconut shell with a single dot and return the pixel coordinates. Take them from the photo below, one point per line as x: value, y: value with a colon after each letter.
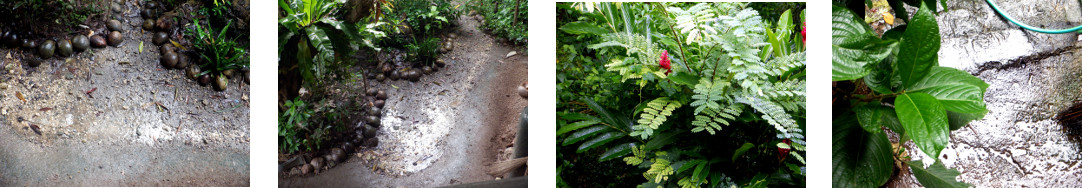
x: 80, y: 43
x: 47, y: 49
x: 97, y: 41
x: 114, y: 25
x: 64, y: 48
x: 115, y: 39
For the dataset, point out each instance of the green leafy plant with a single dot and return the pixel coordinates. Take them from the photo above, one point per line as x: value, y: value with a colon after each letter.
x: 897, y: 83
x: 504, y: 18
x: 684, y: 74
x: 291, y: 124
x: 64, y: 12
x: 425, y: 50
x: 313, y: 41
x: 218, y: 51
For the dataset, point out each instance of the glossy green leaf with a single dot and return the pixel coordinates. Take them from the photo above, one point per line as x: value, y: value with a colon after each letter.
x: 617, y: 151
x: 584, y: 134
x: 600, y: 140
x: 579, y: 28
x: 925, y: 121
x: 879, y: 80
x: 957, y: 90
x: 890, y: 120
x: 958, y: 120
x: 684, y: 78
x: 616, y: 121
x: 860, y: 158
x: 869, y: 115
x: 920, y: 45
x: 743, y: 148
x: 854, y: 46
x: 661, y: 140
x: 575, y: 126
x: 936, y: 175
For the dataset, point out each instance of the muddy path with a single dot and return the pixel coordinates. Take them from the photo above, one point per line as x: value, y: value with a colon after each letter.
x: 448, y: 128
x: 141, y: 125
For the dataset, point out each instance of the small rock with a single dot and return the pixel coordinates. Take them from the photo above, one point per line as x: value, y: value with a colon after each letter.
x: 512, y: 53
x: 116, y: 8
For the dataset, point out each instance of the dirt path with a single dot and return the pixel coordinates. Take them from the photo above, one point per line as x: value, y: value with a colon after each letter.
x: 447, y: 128
x: 118, y: 136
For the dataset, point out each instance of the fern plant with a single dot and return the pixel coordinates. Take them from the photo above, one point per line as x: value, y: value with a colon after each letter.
x: 721, y: 72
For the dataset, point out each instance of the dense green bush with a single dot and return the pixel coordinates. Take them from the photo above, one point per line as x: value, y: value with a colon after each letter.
x: 895, y: 82
x: 653, y: 83
x: 65, y: 12
x: 504, y: 18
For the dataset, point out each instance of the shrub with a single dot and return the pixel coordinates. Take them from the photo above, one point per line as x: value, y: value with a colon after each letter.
x: 896, y: 82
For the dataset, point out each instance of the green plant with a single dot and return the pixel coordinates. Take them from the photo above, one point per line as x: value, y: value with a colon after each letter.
x: 74, y: 12
x: 425, y: 17
x: 291, y: 124
x: 684, y: 74
x: 897, y: 83
x: 504, y: 18
x: 220, y: 52
x: 425, y: 50
x: 313, y: 41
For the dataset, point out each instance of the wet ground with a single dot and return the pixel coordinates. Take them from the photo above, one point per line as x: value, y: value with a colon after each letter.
x: 141, y: 125
x: 448, y: 128
x: 1032, y: 77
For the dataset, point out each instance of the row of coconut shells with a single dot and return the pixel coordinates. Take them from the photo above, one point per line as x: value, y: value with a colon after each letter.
x: 63, y: 47
x: 173, y: 58
x: 364, y: 135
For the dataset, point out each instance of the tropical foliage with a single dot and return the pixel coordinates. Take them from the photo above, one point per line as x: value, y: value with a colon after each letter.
x: 694, y: 94
x: 894, y: 82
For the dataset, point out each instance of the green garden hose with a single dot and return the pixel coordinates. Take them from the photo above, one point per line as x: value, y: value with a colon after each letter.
x: 1029, y: 27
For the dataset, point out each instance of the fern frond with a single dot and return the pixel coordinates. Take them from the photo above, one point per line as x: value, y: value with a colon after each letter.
x: 695, y: 22
x: 655, y: 114
x: 775, y: 115
x: 707, y: 94
x: 780, y: 65
x: 660, y: 170
x: 633, y: 67
x: 711, y: 118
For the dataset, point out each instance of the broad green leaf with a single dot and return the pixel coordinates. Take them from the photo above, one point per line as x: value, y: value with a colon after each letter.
x: 860, y: 158
x: 919, y: 48
x: 583, y: 134
x: 957, y: 90
x: 617, y: 151
x: 600, y: 140
x: 925, y: 121
x: 579, y: 28
x: 879, y: 80
x: 616, y: 121
x: 684, y: 78
x: 958, y: 120
x: 869, y: 115
x: 661, y: 140
x: 743, y: 148
x: 854, y: 46
x: 937, y: 175
x: 576, y: 126
x: 890, y: 120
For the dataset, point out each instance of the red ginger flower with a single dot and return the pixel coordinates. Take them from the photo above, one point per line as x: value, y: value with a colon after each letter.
x: 804, y: 33
x: 782, y: 152
x: 665, y: 63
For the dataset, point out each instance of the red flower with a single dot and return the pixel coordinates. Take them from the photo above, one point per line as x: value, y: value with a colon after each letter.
x: 782, y: 152
x: 665, y: 63
x: 803, y: 33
